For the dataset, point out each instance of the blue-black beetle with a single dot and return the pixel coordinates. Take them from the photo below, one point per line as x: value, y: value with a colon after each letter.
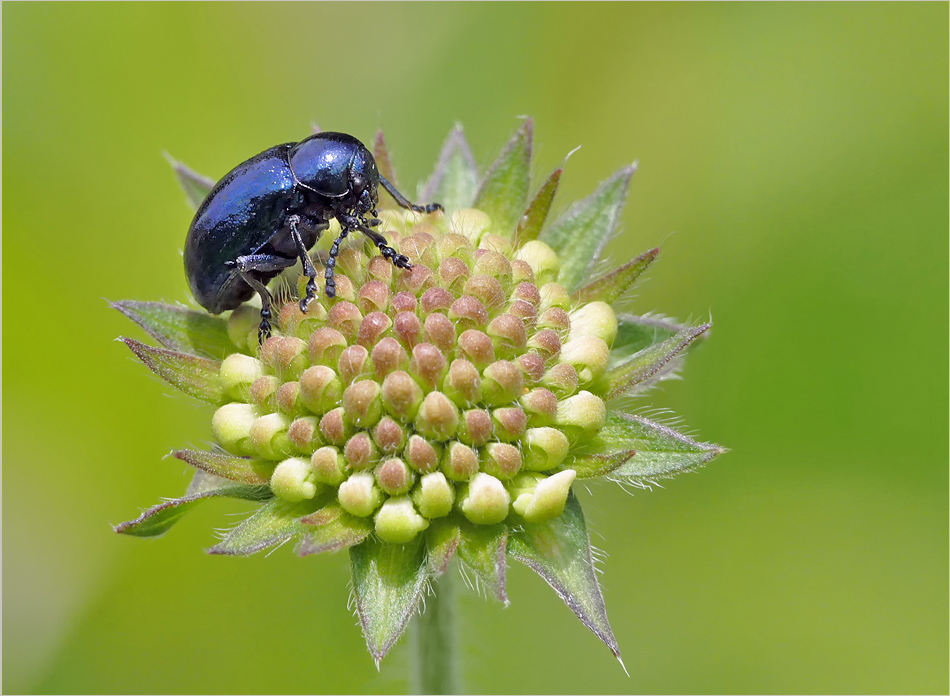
x: 267, y: 212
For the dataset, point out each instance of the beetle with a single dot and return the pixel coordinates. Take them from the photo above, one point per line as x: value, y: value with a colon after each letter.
x: 268, y: 212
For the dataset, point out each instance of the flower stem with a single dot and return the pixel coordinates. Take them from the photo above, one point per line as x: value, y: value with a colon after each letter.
x: 435, y: 659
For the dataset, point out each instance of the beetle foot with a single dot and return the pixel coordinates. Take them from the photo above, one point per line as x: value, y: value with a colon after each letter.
x: 310, y: 296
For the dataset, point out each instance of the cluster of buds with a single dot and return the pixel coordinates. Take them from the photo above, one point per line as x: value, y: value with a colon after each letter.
x: 437, y: 411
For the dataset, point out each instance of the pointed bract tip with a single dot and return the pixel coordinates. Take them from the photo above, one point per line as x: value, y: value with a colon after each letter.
x: 622, y: 665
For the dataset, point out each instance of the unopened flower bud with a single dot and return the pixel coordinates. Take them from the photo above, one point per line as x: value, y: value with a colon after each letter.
x: 561, y: 379
x: 547, y: 344
x: 528, y: 292
x: 532, y: 365
x: 407, y: 329
x: 484, y: 500
x: 373, y: 297
x: 269, y: 436
x: 381, y: 270
x: 329, y: 466
x: 594, y: 319
x: 345, y: 317
x: 501, y: 460
x: 401, y: 396
x: 320, y: 389
x: 397, y: 522
x: 462, y: 384
x: 439, y: 331
x: 293, y: 322
x: 475, y: 428
x: 388, y: 356
x: 494, y: 264
x: 589, y: 355
x: 521, y: 272
x: 238, y: 372
x: 389, y: 436
x: 477, y: 348
x: 287, y: 356
x: 525, y: 312
x: 554, y: 295
x: 353, y: 363
x: 508, y: 335
x: 435, y: 300
x: 293, y: 480
x: 422, y: 455
x: 454, y: 246
x: 556, y: 319
x: 496, y: 242
x: 394, y: 477
x: 509, y: 423
x: 459, y: 462
x: 404, y: 302
x: 304, y: 433
x: 373, y: 327
x: 345, y: 290
x: 546, y: 499
x: 453, y: 273
x: 362, y: 403
x: 263, y: 392
x: 502, y: 383
x: 434, y: 496
x: 417, y: 280
x: 231, y: 425
x: 540, y: 405
x: 359, y: 495
x: 486, y: 290
x: 428, y: 365
x: 581, y: 416
x: 334, y: 427
x: 438, y: 417
x: 325, y: 346
x: 542, y: 259
x: 471, y: 223
x: 288, y: 399
x: 468, y: 313
x: 361, y: 452
x: 544, y: 448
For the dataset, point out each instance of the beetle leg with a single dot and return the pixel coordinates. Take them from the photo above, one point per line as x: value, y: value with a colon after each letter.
x: 265, y: 263
x: 404, y: 202
x: 385, y: 250
x: 307, y: 263
x: 331, y: 262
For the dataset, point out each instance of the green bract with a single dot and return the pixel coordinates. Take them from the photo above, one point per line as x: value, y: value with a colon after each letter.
x: 441, y: 411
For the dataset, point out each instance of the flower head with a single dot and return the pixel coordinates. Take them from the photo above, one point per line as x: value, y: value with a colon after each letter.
x: 437, y: 411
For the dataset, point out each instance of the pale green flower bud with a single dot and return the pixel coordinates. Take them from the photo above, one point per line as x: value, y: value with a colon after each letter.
x: 544, y: 448
x: 294, y: 480
x: 329, y: 466
x: 325, y: 346
x: 594, y: 319
x: 540, y: 405
x: 394, y: 477
x: 401, y: 396
x: 434, y: 496
x: 553, y: 295
x: 459, y: 462
x: 362, y: 403
x: 263, y: 392
x: 484, y: 500
x: 422, y: 455
x: 231, y: 425
x: 359, y: 495
x: 548, y: 498
x: 581, y: 416
x: 269, y: 436
x: 470, y: 223
x: 588, y: 355
x: 320, y: 389
x: 238, y: 372
x: 509, y: 423
x: 397, y: 522
x: 502, y: 383
x: 304, y: 433
x: 542, y: 259
x: 561, y: 379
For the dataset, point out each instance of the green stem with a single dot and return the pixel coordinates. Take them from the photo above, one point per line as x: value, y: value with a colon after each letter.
x: 435, y: 659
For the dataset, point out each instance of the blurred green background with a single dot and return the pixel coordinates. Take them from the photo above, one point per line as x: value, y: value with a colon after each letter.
x: 799, y: 153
